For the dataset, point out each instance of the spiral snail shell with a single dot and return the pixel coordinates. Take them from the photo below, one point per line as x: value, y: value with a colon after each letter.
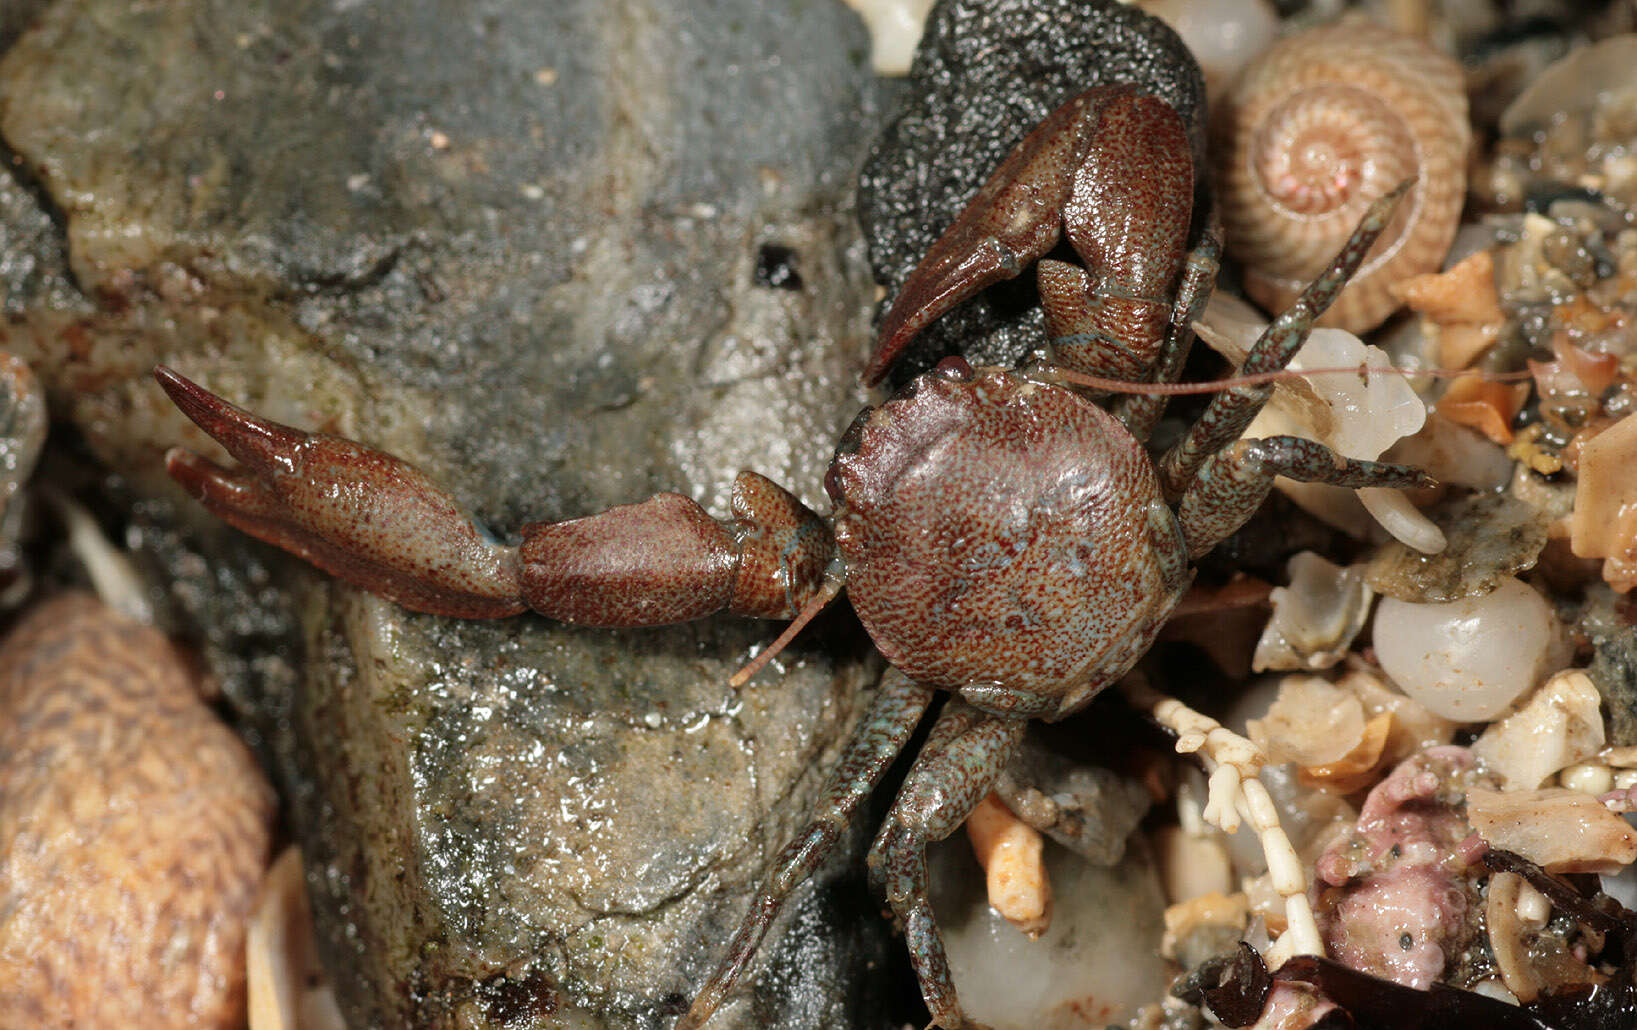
x: 1320, y: 125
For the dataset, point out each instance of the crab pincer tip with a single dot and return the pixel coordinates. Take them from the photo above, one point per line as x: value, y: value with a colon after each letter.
x: 256, y: 441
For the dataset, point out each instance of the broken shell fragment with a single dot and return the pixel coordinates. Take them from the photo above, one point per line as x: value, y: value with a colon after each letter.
x: 1315, y: 618
x: 1587, y: 77
x: 1604, y: 521
x: 285, y: 975
x: 1560, y: 830
x: 1484, y: 405
x: 1461, y: 304
x: 1562, y: 724
x: 1311, y: 722
x: 1359, y: 767
x: 1469, y: 660
x: 1507, y: 936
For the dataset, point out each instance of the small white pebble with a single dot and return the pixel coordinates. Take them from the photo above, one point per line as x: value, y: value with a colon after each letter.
x: 546, y: 76
x: 1625, y: 779
x: 1471, y: 659
x: 1588, y: 778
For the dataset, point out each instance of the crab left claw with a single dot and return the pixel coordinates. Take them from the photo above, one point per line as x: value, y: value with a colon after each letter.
x: 1112, y: 170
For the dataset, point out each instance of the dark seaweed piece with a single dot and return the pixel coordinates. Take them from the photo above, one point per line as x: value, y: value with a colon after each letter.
x: 1610, y: 1006
x: 1377, y: 1004
x: 1236, y: 1000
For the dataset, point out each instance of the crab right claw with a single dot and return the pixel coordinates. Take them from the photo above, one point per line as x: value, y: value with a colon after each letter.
x: 379, y: 523
x: 1112, y: 170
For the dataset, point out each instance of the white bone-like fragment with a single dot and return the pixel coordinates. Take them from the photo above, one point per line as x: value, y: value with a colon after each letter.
x: 1357, y: 416
x: 1402, y: 519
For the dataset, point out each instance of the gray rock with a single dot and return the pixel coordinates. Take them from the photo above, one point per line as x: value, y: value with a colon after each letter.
x: 1606, y: 621
x: 516, y: 245
x: 986, y: 72
x: 1088, y: 809
x: 1491, y: 538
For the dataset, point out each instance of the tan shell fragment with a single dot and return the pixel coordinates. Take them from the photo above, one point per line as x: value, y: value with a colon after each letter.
x: 1358, y: 768
x: 287, y: 986
x: 1311, y: 722
x: 1318, y: 127
x: 1560, y: 830
x: 1561, y: 725
x: 1461, y: 304
x: 134, y: 828
x: 1604, y: 521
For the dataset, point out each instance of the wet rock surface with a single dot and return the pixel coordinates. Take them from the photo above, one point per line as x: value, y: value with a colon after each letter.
x: 986, y: 72
x: 520, y: 248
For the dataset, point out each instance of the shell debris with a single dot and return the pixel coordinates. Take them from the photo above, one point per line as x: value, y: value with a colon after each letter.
x: 1320, y: 125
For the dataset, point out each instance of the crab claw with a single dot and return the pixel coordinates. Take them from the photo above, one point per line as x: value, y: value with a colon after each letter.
x: 1113, y: 170
x: 357, y: 513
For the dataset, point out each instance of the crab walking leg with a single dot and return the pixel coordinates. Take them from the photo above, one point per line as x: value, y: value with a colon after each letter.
x: 898, y: 706
x: 379, y: 523
x: 956, y: 769
x: 1233, y: 409
x: 1235, y: 791
x: 1234, y: 482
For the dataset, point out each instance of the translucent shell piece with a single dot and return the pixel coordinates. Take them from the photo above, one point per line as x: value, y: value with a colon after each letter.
x: 1319, y: 126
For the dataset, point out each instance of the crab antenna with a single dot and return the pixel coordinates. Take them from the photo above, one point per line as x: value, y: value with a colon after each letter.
x: 826, y: 594
x: 1259, y: 378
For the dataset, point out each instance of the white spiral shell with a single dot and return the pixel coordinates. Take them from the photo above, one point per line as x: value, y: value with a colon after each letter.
x: 1320, y: 125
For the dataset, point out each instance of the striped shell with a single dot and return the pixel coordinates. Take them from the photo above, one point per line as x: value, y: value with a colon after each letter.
x: 1320, y: 125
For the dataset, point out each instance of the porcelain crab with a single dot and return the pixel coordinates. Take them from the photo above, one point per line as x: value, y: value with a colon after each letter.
x: 1001, y: 536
